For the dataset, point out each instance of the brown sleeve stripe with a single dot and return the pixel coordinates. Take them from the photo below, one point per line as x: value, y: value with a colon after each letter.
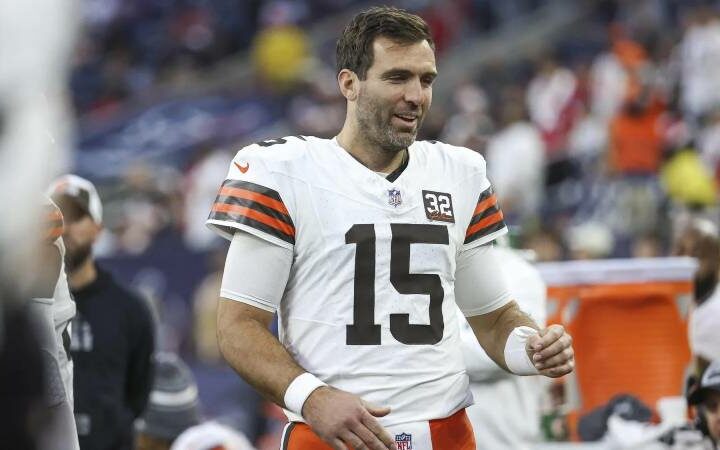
x: 488, y: 212
x: 250, y: 222
x: 258, y: 188
x: 255, y: 206
x: 256, y: 197
x: 497, y: 226
x: 483, y: 205
x: 487, y: 217
x: 240, y: 193
x: 484, y: 223
x: 239, y: 211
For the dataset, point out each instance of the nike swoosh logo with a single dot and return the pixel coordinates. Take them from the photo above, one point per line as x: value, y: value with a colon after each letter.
x: 242, y: 169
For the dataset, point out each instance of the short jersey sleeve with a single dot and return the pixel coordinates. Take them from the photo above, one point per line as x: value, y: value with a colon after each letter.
x: 250, y: 199
x: 486, y: 220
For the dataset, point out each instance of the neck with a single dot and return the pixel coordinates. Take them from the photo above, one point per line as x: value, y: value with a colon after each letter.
x: 370, y: 155
x: 83, y: 276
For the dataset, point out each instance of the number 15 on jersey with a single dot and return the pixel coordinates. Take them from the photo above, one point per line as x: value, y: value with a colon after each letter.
x: 364, y: 330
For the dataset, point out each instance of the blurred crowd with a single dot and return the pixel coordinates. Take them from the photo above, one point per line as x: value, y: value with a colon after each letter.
x: 129, y: 49
x: 599, y: 146
x: 600, y: 123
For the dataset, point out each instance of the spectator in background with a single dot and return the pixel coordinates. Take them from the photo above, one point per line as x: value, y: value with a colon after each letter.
x: 515, y: 426
x: 590, y: 240
x: 702, y: 432
x: 647, y: 245
x: 199, y: 186
x: 151, y: 208
x: 635, y: 152
x: 445, y: 20
x: 172, y: 420
x: 281, y: 49
x: 173, y: 405
x: 700, y: 64
x: 519, y: 187
x: 588, y: 140
x: 636, y: 137
x: 609, y: 76
x: 552, y: 102
x: 687, y: 181
x: 699, y: 239
x: 546, y: 244
x: 471, y: 125
x: 318, y: 108
x: 707, y: 399
x: 709, y: 143
x: 113, y: 331
x: 636, y: 134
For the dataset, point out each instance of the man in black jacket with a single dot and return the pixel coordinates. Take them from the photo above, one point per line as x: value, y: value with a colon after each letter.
x: 112, y: 333
x: 706, y: 397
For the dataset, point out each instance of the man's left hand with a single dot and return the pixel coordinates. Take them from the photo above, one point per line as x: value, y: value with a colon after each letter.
x: 551, y: 351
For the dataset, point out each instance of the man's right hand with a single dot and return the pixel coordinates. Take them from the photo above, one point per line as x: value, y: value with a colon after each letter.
x: 342, y: 419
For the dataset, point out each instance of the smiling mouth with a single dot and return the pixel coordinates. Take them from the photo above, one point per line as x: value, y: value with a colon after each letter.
x: 409, y: 119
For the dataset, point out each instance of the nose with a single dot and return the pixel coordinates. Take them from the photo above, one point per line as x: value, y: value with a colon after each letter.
x: 414, y: 92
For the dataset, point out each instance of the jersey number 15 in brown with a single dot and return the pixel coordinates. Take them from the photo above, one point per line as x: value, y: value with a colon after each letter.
x: 364, y: 330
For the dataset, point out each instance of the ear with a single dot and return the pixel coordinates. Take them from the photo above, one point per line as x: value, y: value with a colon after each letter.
x: 349, y: 84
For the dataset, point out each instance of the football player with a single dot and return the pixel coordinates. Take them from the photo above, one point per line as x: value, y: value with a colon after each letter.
x: 363, y: 244
x: 52, y: 308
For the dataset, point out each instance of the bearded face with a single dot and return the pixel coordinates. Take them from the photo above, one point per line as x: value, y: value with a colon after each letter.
x: 389, y: 126
x: 80, y: 233
x: 76, y: 255
x: 396, y: 94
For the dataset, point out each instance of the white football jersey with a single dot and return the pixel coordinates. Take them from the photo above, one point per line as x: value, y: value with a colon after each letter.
x: 63, y: 305
x: 370, y: 305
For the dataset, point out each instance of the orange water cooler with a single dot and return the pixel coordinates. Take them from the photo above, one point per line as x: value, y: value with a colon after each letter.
x: 628, y: 319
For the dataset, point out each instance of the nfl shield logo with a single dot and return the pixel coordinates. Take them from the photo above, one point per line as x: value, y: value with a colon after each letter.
x: 403, y: 441
x: 394, y: 197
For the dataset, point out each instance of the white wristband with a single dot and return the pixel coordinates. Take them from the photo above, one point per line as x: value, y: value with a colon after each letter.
x: 299, y: 390
x: 516, y: 357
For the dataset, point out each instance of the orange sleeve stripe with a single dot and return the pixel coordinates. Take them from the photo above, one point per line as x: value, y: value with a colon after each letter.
x: 486, y: 222
x: 255, y: 197
x: 255, y: 215
x: 485, y: 204
x: 55, y: 215
x: 54, y: 233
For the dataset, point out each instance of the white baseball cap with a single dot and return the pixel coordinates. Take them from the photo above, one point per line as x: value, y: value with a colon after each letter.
x: 80, y: 190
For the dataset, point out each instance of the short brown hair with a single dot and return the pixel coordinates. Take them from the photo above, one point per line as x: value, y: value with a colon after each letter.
x: 354, y: 49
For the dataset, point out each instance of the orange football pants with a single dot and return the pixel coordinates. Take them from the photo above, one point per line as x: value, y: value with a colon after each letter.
x: 451, y: 433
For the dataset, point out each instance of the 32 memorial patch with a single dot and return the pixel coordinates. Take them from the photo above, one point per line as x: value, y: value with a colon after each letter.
x: 438, y: 206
